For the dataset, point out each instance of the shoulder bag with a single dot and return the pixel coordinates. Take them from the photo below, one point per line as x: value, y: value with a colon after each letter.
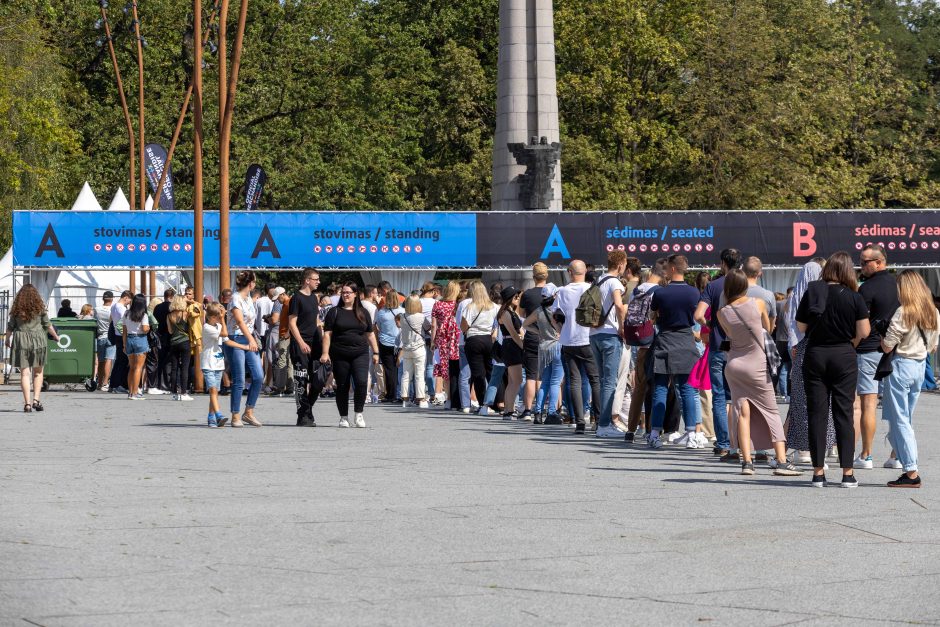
x: 770, y: 347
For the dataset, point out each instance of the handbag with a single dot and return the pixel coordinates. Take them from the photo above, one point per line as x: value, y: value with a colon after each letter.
x: 770, y: 349
x: 885, y: 366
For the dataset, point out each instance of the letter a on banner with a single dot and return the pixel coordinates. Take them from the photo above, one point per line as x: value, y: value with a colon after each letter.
x: 266, y: 244
x: 555, y: 244
x: 803, y: 243
x: 50, y: 242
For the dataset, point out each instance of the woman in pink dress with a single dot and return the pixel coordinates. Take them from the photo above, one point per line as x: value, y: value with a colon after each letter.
x: 754, y: 404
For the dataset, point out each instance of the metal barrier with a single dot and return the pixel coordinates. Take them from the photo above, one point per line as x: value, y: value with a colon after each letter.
x: 5, y: 299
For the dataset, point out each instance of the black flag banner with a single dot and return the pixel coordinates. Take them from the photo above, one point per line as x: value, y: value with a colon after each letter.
x: 255, y: 179
x: 155, y: 162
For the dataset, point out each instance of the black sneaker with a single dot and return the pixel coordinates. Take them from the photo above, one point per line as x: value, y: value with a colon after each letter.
x: 717, y: 450
x: 628, y: 436
x: 819, y: 481
x: 904, y: 482
x: 538, y: 419
x: 554, y: 419
x: 525, y: 414
x: 849, y: 481
x: 579, y: 428
x: 747, y: 468
x: 730, y: 458
x: 306, y: 421
x: 225, y: 391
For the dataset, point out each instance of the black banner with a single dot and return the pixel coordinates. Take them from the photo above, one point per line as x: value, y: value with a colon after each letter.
x: 155, y: 161
x: 255, y: 179
x: 779, y: 238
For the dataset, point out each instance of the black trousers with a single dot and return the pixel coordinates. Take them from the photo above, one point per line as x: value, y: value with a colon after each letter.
x: 479, y: 350
x: 163, y: 368
x: 453, y: 383
x: 387, y: 358
x: 179, y: 367
x: 830, y: 374
x: 350, y: 368
x: 121, y: 367
x: 576, y: 356
x: 305, y: 395
x: 152, y: 368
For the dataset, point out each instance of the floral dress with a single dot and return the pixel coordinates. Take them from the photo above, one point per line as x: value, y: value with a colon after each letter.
x: 447, y: 340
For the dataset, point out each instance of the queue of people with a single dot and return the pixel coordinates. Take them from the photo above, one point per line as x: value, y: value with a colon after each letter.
x: 640, y: 354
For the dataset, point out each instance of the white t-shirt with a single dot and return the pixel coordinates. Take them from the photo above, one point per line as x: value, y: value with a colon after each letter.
x: 481, y: 322
x: 567, y: 299
x: 247, y: 307
x: 458, y: 313
x: 427, y: 304
x: 608, y: 288
x: 134, y: 328
x: 117, y: 316
x: 211, y: 357
x: 371, y: 307
x: 263, y: 307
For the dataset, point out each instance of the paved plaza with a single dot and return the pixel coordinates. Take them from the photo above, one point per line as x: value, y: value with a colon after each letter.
x: 134, y: 513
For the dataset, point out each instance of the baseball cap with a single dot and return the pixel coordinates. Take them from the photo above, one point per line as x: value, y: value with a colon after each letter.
x: 549, y: 290
x: 278, y: 291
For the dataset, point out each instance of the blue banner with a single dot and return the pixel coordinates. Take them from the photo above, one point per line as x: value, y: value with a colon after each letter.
x: 259, y: 239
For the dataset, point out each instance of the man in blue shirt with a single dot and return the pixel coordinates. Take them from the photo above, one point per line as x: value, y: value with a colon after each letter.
x: 675, y: 353
x: 711, y: 297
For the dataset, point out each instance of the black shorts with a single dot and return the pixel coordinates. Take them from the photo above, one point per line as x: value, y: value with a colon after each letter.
x: 530, y: 361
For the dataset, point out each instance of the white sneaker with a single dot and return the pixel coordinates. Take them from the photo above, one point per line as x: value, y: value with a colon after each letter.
x: 186, y: 397
x: 684, y: 439
x: 864, y: 464
x: 672, y: 437
x: 440, y: 397
x: 405, y: 404
x: 695, y: 441
x: 893, y: 463
x: 155, y: 391
x: 803, y: 457
x: 474, y: 405
x: 103, y: 388
x: 343, y: 423
x: 484, y: 411
x: 609, y: 431
x: 702, y: 439
x: 465, y: 410
x: 360, y: 421
x: 423, y: 405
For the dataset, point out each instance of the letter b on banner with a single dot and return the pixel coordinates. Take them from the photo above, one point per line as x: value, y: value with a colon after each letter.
x: 803, y: 243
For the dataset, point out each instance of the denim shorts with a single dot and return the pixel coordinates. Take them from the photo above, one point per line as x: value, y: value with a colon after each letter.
x: 212, y: 378
x: 106, y: 350
x: 137, y: 345
x: 867, y: 365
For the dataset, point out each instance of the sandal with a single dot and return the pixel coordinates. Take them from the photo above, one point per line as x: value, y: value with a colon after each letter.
x: 38, y: 406
x: 27, y: 408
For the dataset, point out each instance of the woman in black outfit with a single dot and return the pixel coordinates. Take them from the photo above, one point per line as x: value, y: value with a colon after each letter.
x: 479, y: 329
x: 510, y: 325
x: 347, y: 336
x: 834, y: 318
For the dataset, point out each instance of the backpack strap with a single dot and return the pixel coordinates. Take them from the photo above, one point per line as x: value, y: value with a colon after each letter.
x: 609, y: 309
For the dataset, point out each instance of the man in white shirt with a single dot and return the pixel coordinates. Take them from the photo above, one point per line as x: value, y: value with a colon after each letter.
x: 369, y: 298
x: 120, y: 370
x: 607, y: 340
x: 577, y: 358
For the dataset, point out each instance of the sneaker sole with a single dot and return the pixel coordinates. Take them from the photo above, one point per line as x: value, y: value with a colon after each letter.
x: 818, y: 484
x: 787, y: 473
x: 904, y: 485
x: 849, y: 485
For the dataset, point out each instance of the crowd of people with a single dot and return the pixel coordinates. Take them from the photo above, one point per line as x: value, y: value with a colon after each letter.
x: 645, y: 354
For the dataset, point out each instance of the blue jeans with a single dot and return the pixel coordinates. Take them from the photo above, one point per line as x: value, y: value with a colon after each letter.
x: 607, y: 348
x: 782, y: 379
x: 687, y: 394
x: 464, y: 379
x: 429, y: 373
x: 496, y: 377
x: 720, y: 397
x: 551, y: 385
x: 239, y: 360
x: 902, y: 387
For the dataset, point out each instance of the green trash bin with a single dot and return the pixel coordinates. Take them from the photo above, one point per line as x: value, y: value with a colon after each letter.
x: 72, y: 358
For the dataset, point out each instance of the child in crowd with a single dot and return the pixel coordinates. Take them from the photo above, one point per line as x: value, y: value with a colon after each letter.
x: 212, y: 361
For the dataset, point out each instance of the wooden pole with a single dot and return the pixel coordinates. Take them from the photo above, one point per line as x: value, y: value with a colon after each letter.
x: 140, y: 121
x: 225, y: 142
x: 127, y: 120
x: 181, y: 118
x: 224, y: 256
x: 197, y: 166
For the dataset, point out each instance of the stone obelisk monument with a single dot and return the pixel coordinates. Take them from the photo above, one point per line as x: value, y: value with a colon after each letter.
x: 526, y: 107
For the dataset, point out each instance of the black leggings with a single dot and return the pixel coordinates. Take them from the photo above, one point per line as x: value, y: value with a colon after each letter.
x: 831, y: 373
x: 387, y: 357
x: 479, y: 349
x: 179, y: 367
x: 453, y: 383
x: 350, y: 368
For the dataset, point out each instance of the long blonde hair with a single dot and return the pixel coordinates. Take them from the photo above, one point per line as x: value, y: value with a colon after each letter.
x: 479, y: 296
x: 451, y: 291
x: 917, y: 302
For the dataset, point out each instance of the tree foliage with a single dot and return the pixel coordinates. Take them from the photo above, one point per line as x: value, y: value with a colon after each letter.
x: 390, y: 104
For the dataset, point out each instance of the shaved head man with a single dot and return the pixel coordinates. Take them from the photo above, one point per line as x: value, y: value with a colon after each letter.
x: 576, y: 355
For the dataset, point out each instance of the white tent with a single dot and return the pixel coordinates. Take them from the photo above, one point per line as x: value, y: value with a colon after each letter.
x: 119, y: 202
